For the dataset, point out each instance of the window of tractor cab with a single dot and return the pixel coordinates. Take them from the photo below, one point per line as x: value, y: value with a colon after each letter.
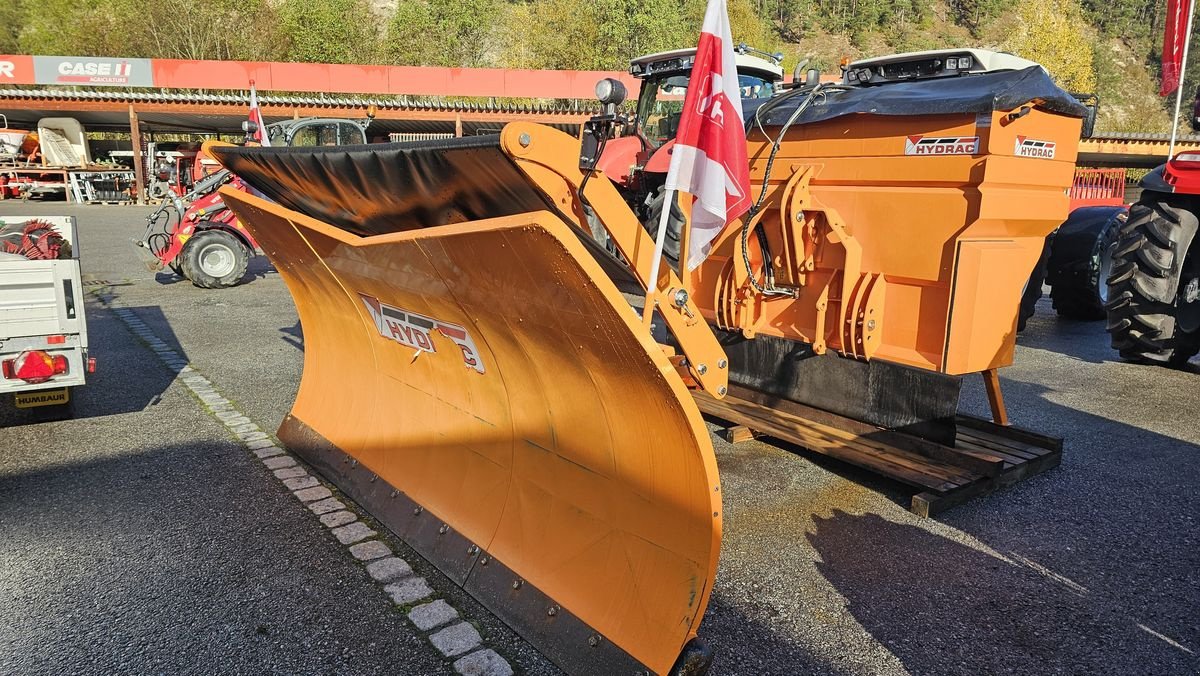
x: 660, y: 108
x: 327, y: 134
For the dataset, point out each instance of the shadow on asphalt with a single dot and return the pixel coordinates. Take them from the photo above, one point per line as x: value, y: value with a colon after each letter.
x: 293, y: 335
x: 942, y: 607
x: 128, y: 377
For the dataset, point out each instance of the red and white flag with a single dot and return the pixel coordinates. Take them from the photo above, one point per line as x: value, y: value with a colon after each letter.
x: 709, y: 158
x: 260, y: 129
x: 1174, y: 39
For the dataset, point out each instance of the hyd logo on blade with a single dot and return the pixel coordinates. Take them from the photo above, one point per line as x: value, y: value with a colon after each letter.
x: 1028, y: 147
x: 941, y: 145
x: 417, y: 331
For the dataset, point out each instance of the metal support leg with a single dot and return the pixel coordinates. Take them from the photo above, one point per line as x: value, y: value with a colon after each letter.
x: 991, y: 382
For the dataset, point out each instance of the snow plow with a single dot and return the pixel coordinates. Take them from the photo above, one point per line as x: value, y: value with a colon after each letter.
x: 475, y: 377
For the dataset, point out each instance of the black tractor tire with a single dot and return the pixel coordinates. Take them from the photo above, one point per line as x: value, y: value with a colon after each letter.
x: 214, y: 259
x: 654, y: 207
x: 1154, y: 288
x: 1080, y: 261
x: 1033, y: 288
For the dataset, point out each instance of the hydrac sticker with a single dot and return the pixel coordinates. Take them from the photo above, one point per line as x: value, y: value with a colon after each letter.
x: 416, y: 331
x: 941, y: 145
x: 1028, y: 147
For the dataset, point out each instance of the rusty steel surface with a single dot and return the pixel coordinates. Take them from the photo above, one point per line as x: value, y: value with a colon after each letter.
x: 492, y: 374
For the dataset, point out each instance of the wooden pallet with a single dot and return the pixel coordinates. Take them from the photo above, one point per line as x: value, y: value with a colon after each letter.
x: 984, y: 458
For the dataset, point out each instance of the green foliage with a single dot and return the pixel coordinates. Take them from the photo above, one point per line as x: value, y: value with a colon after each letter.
x: 329, y: 31
x: 1055, y: 34
x: 973, y: 14
x: 443, y: 32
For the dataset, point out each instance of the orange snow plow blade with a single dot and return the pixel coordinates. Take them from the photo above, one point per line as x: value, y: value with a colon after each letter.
x: 484, y: 390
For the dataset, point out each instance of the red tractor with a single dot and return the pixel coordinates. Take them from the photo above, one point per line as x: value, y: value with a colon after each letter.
x: 199, y: 238
x: 1154, y: 285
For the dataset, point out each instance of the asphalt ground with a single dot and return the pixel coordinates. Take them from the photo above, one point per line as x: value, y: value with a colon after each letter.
x: 140, y: 538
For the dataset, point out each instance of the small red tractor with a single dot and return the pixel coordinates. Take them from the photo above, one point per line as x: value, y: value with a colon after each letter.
x: 195, y: 235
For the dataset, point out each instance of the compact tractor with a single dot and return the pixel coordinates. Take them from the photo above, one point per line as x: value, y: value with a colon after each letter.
x: 196, y: 235
x: 475, y: 377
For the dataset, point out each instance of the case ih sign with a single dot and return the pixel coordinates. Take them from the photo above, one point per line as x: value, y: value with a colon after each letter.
x: 303, y: 77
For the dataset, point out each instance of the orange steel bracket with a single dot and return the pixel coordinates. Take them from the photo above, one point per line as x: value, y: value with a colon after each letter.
x: 991, y: 383
x: 550, y: 159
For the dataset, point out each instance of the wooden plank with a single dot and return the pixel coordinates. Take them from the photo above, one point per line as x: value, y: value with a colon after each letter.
x: 907, y: 442
x: 862, y: 435
x: 1016, y: 454
x: 905, y: 467
x: 1008, y: 459
x: 738, y: 433
x: 766, y: 420
x: 1007, y: 445
x: 1022, y: 435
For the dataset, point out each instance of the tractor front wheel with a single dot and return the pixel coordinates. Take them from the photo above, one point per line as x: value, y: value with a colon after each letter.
x: 214, y: 259
x: 675, y: 220
x: 1154, y: 289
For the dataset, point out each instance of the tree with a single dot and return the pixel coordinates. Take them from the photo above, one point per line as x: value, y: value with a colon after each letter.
x: 444, y: 32
x: 330, y: 31
x: 1055, y: 34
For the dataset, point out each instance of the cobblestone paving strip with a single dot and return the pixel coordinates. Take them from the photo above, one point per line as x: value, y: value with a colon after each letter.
x: 435, y: 618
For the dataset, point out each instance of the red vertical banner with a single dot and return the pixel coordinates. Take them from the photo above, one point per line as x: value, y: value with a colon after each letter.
x: 1174, y: 36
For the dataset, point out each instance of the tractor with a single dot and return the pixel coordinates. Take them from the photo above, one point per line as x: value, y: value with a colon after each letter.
x: 637, y: 161
x: 1154, y: 281
x: 198, y: 237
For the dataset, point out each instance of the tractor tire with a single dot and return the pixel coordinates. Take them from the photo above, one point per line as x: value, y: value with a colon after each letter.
x: 1032, y: 292
x: 1154, y: 288
x: 1081, y: 261
x: 214, y: 259
x: 654, y: 207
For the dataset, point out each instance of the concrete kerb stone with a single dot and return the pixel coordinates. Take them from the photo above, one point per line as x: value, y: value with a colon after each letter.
x: 354, y: 532
x: 312, y: 494
x: 456, y: 639
x: 335, y: 519
x: 429, y: 615
x: 321, y: 506
x: 268, y: 451
x: 297, y: 482
x: 289, y: 472
x: 279, y: 462
x: 390, y: 568
x: 409, y: 590
x: 483, y: 663
x: 367, y: 551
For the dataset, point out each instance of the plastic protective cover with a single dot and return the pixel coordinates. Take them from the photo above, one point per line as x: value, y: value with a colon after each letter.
x: 984, y: 93
x: 382, y: 188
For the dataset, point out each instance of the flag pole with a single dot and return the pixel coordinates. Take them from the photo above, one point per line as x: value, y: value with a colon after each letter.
x: 1187, y: 41
x: 656, y: 262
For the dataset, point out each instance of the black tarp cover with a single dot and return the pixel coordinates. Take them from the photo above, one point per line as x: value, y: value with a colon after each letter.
x: 389, y: 187
x: 983, y: 93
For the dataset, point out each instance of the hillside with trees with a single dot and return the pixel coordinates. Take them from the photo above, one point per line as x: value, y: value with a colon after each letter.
x: 1108, y: 47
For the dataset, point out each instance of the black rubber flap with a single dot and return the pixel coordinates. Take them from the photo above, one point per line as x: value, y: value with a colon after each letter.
x: 891, y: 396
x: 381, y: 188
x: 983, y: 93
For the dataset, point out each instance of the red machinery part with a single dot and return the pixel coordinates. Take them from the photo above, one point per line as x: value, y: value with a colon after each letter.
x: 34, y: 366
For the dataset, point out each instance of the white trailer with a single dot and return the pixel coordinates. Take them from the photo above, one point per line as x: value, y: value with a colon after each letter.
x: 43, y: 333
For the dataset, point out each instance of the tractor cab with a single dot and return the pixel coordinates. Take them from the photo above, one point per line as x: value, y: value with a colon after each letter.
x: 318, y: 131
x: 665, y: 79
x: 637, y: 160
